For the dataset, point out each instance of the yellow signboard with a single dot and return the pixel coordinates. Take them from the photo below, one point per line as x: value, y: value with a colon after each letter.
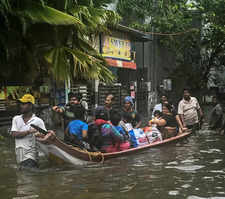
x: 116, y: 48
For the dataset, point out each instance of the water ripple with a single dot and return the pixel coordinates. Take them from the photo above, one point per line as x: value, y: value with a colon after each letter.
x: 189, y: 161
x: 197, y: 197
x: 173, y: 193
x: 217, y: 171
x: 216, y: 161
x: 172, y: 163
x: 185, y: 186
x: 186, y: 168
x: 211, y: 151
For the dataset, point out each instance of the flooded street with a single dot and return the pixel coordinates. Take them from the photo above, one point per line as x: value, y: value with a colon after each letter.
x: 193, y: 169
x: 83, y: 77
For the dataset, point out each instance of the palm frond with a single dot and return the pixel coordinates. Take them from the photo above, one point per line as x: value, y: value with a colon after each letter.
x: 4, y: 4
x: 89, y: 67
x: 82, y: 67
x: 57, y: 59
x: 83, y: 18
x: 95, y: 19
x: 39, y: 13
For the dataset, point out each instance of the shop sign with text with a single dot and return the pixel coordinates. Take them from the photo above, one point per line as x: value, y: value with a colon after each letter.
x: 117, y: 48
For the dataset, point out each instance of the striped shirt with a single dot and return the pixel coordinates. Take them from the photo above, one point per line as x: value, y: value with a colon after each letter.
x: 189, y: 109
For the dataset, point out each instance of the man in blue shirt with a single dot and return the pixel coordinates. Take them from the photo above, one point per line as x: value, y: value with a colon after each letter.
x: 77, y: 129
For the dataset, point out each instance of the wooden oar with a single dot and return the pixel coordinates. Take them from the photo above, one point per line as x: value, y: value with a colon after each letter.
x: 39, y: 129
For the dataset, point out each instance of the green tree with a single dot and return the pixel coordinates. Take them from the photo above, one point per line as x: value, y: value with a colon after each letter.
x: 56, y: 34
x: 198, y: 42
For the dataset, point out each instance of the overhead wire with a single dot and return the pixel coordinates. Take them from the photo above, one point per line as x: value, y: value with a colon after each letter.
x: 171, y: 34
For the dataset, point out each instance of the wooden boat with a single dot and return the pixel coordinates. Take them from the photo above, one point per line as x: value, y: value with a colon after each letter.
x: 59, y: 151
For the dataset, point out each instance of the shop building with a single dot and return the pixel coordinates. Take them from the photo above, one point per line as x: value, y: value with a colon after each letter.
x: 120, y: 53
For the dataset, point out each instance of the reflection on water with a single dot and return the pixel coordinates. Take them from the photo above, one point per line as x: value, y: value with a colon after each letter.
x: 190, y: 169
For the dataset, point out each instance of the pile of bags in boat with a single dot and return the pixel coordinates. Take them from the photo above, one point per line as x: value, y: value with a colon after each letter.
x: 146, y: 136
x: 141, y: 137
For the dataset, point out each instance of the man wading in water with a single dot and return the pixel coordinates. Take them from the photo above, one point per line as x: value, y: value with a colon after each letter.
x: 24, y: 134
x: 68, y: 112
x: 189, y: 111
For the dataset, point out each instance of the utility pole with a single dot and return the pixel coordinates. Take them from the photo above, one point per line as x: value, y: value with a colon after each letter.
x: 152, y: 69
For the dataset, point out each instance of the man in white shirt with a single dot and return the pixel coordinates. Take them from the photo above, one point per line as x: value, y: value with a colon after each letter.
x: 189, y: 111
x: 25, y: 141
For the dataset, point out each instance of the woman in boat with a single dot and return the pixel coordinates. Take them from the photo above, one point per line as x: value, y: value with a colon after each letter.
x: 128, y: 109
x: 102, y: 134
x: 170, y: 123
x: 115, y: 120
x: 111, y: 138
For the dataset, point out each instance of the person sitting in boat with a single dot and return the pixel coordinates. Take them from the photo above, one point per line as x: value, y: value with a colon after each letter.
x: 94, y: 128
x: 77, y: 129
x: 157, y: 115
x: 115, y: 120
x: 128, y: 109
x: 110, y: 137
x: 158, y: 107
x: 170, y: 123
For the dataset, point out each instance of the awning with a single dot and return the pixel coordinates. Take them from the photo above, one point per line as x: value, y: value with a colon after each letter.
x: 121, y: 64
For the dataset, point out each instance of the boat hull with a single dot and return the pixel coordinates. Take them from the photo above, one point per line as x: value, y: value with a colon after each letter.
x: 60, y: 151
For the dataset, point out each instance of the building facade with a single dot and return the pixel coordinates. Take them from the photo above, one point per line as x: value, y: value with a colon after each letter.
x: 119, y: 50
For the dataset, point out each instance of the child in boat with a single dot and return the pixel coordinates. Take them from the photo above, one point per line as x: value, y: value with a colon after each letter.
x: 77, y: 129
x: 115, y: 120
x: 157, y: 116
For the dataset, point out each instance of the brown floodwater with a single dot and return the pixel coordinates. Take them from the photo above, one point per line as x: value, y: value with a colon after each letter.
x: 192, y: 169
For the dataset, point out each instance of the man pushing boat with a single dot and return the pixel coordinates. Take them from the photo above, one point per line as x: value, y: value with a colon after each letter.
x: 25, y: 135
x: 190, y: 111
